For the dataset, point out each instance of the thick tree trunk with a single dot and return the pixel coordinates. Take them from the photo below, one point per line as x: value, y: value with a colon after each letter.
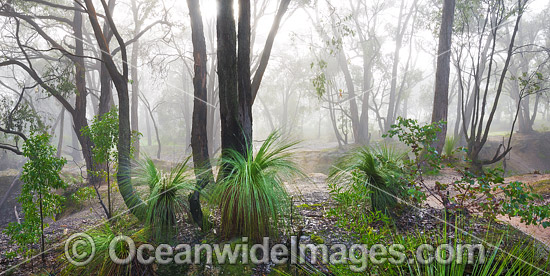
x: 199, y: 135
x: 441, y: 95
x: 79, y: 116
x: 232, y: 135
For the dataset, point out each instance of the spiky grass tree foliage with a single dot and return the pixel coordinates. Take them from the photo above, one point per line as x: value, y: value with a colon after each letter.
x: 101, y: 263
x: 450, y: 146
x: 377, y: 169
x: 165, y: 202
x: 251, y: 196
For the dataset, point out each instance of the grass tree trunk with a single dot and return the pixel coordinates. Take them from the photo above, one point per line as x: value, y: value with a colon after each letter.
x: 441, y: 96
x: 199, y: 133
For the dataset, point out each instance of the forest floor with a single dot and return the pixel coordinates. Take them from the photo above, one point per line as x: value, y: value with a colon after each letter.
x: 311, y: 202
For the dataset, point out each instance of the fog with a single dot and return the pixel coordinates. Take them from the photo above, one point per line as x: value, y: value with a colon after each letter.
x: 332, y: 39
x: 372, y: 120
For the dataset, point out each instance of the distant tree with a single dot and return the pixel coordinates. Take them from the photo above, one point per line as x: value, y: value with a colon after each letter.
x: 481, y: 106
x: 443, y: 70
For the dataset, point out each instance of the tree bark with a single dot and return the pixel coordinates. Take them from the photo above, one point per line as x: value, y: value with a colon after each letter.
x: 231, y: 129
x: 243, y: 75
x: 441, y: 96
x: 61, y: 131
x: 134, y: 119
x: 199, y: 134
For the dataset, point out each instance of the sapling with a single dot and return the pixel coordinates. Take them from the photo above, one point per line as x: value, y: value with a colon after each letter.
x: 40, y: 178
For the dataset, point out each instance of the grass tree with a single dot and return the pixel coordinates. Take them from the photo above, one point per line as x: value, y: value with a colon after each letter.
x: 251, y: 196
x: 38, y: 198
x: 166, y: 200
x: 378, y: 170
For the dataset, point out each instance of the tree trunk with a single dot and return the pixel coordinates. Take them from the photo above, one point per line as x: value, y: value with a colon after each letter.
x: 61, y: 131
x: 134, y: 119
x: 231, y: 130
x: 283, y: 7
x: 343, y: 63
x: 106, y: 94
x: 131, y: 198
x: 135, y: 96
x: 199, y: 135
x: 243, y: 75
x: 79, y: 116
x: 441, y: 96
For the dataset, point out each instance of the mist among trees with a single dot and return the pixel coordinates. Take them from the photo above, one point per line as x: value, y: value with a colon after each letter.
x: 337, y: 122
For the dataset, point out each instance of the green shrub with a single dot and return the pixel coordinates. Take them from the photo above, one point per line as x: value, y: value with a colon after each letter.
x: 38, y: 199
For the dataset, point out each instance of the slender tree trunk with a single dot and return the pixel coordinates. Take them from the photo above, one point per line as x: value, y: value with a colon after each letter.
x: 441, y: 95
x: 106, y: 94
x: 43, y: 257
x: 148, y: 125
x: 243, y: 75
x: 134, y: 119
x: 343, y: 63
x: 135, y: 96
x: 61, y: 132
x: 393, y: 82
x: 283, y: 7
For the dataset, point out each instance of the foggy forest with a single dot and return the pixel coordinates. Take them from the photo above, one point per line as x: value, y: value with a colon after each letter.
x: 275, y: 137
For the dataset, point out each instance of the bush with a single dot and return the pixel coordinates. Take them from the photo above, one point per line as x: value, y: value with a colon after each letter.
x: 487, y: 194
